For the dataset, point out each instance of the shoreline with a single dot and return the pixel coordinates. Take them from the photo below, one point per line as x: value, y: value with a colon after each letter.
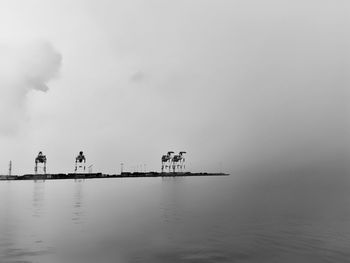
x: 59, y: 176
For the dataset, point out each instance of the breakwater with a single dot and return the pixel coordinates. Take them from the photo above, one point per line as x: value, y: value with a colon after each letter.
x: 102, y: 175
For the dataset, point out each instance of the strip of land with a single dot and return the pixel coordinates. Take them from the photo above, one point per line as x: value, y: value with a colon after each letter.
x: 102, y: 175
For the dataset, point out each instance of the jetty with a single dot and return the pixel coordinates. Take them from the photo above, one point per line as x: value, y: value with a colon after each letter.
x: 58, y: 176
x: 172, y: 166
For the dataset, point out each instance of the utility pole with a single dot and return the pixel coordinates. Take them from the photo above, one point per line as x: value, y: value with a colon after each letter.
x: 121, y: 168
x: 10, y: 168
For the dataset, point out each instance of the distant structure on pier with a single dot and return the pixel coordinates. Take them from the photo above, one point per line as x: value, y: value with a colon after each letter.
x: 176, y: 162
x: 40, y: 162
x: 80, y: 162
x: 10, y: 168
x: 90, y: 168
x: 166, y: 161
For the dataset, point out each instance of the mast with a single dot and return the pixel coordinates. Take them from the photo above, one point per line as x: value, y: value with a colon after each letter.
x: 10, y: 168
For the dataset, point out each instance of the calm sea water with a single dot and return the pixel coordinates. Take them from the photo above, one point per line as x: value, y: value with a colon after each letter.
x: 189, y: 219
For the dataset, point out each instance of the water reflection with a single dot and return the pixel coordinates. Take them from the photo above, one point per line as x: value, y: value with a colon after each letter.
x: 38, y: 198
x: 170, y: 205
x: 7, y: 238
x: 170, y: 220
x: 78, y: 209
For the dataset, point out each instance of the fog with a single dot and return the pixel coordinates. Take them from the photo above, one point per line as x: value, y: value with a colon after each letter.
x: 243, y: 86
x: 23, y: 69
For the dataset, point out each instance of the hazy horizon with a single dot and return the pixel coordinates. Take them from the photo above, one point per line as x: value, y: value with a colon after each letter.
x: 242, y: 85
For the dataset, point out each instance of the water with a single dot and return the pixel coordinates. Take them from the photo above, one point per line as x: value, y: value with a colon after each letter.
x: 188, y: 219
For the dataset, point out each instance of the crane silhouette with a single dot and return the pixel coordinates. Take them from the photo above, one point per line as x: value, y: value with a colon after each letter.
x: 166, y: 161
x: 178, y: 162
x: 40, y: 159
x: 80, y: 161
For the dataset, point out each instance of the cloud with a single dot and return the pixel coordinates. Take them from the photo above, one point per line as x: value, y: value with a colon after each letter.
x: 22, y: 69
x: 137, y: 76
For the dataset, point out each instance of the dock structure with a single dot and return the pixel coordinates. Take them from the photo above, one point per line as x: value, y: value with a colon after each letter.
x: 80, y: 163
x: 40, y: 162
x: 102, y: 175
x: 172, y: 166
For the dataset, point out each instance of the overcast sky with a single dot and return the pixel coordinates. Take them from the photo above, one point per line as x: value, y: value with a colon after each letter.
x: 247, y: 84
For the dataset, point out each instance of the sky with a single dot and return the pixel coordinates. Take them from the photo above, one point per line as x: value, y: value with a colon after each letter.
x: 239, y: 85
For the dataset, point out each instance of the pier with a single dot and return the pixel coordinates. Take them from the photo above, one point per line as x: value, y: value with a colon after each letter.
x: 58, y: 176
